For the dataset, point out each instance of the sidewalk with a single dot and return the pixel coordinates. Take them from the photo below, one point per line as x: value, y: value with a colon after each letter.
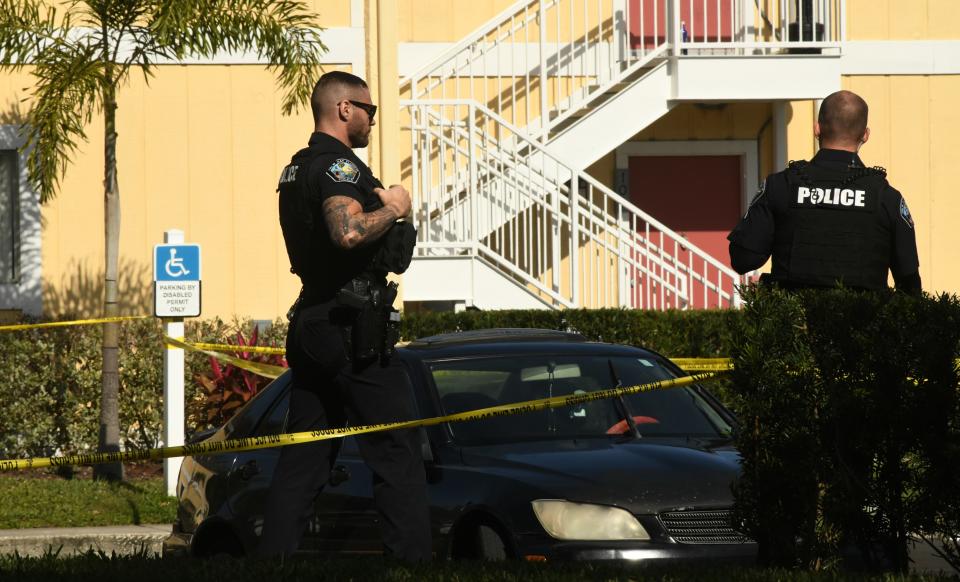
x: 120, y: 539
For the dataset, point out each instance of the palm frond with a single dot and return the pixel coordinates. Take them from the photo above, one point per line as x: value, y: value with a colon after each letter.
x: 65, y: 97
x: 285, y: 33
x: 26, y: 26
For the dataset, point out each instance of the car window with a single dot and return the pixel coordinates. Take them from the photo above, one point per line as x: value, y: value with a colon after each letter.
x: 248, y: 417
x: 471, y: 384
x: 275, y: 420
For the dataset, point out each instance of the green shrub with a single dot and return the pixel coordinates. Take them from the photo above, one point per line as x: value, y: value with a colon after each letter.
x: 674, y: 333
x: 850, y: 417
x: 51, y: 392
x: 225, y: 387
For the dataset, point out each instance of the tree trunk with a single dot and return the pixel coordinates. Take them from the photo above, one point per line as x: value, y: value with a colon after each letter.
x: 109, y: 440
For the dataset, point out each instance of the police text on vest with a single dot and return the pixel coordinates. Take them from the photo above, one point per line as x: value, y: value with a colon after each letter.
x: 289, y: 174
x: 831, y: 196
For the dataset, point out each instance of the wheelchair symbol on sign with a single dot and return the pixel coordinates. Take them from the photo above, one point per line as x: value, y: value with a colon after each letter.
x: 174, y: 265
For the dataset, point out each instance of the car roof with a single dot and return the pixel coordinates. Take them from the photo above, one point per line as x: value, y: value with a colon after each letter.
x: 513, y: 341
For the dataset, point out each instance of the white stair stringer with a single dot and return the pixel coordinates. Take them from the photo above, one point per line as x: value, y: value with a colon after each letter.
x: 626, y: 113
x: 469, y: 279
x: 511, y: 198
x: 554, y: 232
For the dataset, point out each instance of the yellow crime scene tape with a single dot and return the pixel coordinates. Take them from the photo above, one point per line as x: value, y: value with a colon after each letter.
x: 265, y: 370
x: 280, y: 440
x: 238, y: 348
x: 23, y: 326
x: 704, y: 364
x: 688, y: 364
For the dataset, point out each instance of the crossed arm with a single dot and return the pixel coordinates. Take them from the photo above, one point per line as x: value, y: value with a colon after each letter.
x: 351, y: 227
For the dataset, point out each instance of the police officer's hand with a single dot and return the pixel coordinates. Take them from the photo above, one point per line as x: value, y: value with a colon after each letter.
x: 395, y: 198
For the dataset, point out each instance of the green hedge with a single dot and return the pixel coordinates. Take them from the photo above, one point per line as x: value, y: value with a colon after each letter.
x: 673, y: 333
x: 849, y: 407
x: 51, y: 383
x: 103, y: 568
x: 52, y: 376
x: 850, y: 425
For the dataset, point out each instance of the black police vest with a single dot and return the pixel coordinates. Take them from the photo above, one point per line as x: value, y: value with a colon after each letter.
x: 322, y: 267
x: 835, y: 230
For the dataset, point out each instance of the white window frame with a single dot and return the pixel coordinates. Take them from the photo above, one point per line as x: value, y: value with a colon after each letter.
x: 25, y: 294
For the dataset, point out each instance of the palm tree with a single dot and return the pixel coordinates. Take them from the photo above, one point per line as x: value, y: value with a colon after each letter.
x: 81, y: 55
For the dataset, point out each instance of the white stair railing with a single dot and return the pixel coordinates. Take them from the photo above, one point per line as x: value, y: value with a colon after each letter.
x: 514, y: 211
x: 541, y: 61
x: 486, y: 187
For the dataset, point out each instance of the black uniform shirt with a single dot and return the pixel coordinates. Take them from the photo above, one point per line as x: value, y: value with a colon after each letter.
x: 845, y: 224
x: 324, y: 169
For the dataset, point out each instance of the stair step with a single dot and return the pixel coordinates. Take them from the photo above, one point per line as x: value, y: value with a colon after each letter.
x: 616, y: 88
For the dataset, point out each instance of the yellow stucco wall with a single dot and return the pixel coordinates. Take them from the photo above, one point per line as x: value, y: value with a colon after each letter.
x: 903, y: 19
x: 442, y: 20
x: 915, y: 127
x: 915, y: 135
x: 332, y: 13
x: 200, y: 149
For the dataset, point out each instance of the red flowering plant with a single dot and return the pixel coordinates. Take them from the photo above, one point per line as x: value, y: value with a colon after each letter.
x: 226, y: 387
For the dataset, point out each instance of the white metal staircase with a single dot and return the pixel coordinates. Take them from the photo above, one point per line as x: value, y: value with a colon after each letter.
x: 503, y: 124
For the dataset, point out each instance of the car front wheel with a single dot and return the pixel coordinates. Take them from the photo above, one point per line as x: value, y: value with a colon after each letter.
x: 490, y: 546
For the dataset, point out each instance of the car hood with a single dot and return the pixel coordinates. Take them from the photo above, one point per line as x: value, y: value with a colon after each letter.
x: 643, y: 476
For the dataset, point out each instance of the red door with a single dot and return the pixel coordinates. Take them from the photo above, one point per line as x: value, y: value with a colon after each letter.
x: 705, y: 21
x: 699, y: 198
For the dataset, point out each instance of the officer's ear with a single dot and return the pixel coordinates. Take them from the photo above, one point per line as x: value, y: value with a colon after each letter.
x: 343, y: 110
x: 866, y: 136
x: 816, y: 130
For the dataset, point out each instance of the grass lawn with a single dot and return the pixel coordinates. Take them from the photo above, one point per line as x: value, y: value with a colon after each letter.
x: 143, y: 569
x: 42, y: 499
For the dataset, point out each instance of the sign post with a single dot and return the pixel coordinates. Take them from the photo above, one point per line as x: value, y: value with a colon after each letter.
x: 176, y: 275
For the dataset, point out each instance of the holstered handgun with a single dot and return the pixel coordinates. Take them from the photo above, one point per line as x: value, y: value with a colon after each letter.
x: 375, y: 330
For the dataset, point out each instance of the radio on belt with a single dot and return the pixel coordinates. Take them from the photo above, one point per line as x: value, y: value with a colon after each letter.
x: 176, y: 280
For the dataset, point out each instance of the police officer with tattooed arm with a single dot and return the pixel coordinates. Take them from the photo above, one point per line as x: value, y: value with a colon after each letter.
x: 831, y: 220
x: 343, y: 232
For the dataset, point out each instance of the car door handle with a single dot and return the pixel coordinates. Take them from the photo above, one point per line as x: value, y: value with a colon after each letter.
x: 248, y: 470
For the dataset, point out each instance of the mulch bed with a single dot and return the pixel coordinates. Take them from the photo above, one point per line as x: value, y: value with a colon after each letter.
x: 134, y: 471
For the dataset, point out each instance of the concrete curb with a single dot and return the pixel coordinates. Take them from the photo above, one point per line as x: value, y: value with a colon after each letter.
x: 120, y: 540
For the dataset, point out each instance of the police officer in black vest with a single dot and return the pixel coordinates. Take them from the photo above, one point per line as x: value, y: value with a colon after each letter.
x: 342, y: 234
x: 831, y: 220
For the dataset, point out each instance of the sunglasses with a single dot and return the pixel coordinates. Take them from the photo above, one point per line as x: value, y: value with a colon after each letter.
x: 368, y: 107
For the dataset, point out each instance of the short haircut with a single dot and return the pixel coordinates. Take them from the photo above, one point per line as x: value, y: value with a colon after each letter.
x: 843, y: 117
x: 328, y: 82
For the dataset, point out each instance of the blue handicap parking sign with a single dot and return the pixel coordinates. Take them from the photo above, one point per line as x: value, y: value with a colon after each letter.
x: 176, y: 263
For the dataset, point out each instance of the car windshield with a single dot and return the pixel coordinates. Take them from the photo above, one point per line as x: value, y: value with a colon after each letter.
x: 482, y: 382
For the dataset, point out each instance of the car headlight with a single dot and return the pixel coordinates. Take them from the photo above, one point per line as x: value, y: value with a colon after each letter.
x: 565, y: 520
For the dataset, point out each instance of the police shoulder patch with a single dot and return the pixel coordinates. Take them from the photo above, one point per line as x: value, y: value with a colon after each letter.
x: 343, y: 170
x: 905, y: 212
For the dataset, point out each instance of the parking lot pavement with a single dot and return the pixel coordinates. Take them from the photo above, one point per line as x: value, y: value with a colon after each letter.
x: 120, y: 539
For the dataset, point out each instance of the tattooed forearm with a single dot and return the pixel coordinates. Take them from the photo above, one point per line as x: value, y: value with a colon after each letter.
x: 350, y: 226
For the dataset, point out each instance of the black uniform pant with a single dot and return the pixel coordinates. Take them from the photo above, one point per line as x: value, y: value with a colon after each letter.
x: 328, y: 391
